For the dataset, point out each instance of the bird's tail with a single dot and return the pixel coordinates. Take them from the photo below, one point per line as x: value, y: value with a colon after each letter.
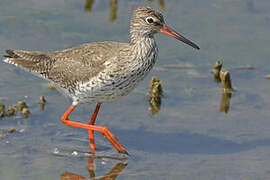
x: 33, y: 61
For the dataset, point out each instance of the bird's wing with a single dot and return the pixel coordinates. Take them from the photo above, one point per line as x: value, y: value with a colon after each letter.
x: 69, y: 66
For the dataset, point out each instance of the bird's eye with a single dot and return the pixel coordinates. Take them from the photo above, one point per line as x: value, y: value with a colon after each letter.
x: 149, y: 20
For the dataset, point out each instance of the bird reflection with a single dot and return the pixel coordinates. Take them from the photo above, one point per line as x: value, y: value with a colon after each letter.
x: 113, y: 7
x: 111, y: 175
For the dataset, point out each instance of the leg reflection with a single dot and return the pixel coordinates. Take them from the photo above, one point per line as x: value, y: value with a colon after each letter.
x: 111, y: 175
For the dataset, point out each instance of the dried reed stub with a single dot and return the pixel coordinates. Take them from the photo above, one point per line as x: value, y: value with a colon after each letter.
x: 21, y: 105
x: 25, y: 112
x: 88, y: 5
x: 226, y: 81
x: 42, y: 102
x: 2, y: 110
x: 216, y: 71
x: 161, y: 4
x: 267, y: 76
x: 113, y: 10
x: 222, y: 76
x: 155, y: 87
x: 155, y: 94
x: 51, y: 86
x: 11, y: 130
x: 11, y: 111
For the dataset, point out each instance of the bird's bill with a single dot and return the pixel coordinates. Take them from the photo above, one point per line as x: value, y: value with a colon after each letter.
x: 169, y: 31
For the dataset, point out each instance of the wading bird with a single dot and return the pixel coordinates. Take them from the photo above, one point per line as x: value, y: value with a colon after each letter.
x: 100, y: 71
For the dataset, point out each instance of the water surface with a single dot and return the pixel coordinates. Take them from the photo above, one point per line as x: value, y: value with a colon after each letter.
x: 189, y: 138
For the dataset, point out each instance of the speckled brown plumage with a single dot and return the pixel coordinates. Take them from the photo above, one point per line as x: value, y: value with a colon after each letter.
x: 102, y: 71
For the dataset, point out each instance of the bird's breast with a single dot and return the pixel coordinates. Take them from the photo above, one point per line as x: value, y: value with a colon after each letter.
x: 119, y: 78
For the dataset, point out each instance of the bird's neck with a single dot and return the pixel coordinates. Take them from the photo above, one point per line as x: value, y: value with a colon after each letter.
x: 136, y: 36
x: 143, y: 45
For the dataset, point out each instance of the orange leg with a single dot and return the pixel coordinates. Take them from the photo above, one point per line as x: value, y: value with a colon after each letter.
x: 91, y: 132
x: 101, y: 129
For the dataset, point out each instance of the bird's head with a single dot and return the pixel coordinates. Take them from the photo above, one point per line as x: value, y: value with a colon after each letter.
x: 147, y: 22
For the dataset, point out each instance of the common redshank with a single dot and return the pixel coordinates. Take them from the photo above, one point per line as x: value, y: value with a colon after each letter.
x: 100, y: 71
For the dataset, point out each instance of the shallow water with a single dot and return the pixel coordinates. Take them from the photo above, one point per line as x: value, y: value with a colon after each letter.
x: 189, y: 138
